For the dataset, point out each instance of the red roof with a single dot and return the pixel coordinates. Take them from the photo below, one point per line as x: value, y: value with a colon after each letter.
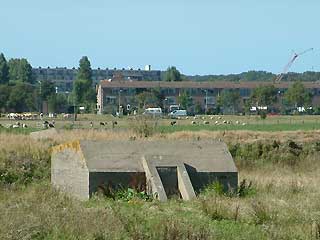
x: 202, y: 85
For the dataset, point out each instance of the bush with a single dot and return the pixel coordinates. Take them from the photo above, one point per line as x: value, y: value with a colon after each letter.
x: 143, y: 126
x: 24, y: 165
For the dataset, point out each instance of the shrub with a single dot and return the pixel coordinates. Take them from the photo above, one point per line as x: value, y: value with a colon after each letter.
x: 143, y: 127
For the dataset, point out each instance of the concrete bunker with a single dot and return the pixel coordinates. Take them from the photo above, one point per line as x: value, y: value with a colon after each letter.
x: 161, y: 167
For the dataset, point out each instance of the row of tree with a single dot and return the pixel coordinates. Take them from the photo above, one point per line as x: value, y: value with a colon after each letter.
x: 230, y: 101
x: 260, y: 76
x: 19, y: 92
x: 267, y: 96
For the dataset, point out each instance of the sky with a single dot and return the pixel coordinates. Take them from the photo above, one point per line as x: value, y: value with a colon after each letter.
x: 198, y: 37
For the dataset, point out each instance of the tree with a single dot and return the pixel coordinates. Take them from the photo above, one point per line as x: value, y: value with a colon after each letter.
x: 229, y: 99
x: 20, y: 71
x: 47, y: 90
x: 58, y: 103
x: 22, y: 98
x: 297, y: 95
x: 4, y: 96
x: 152, y: 97
x: 4, y: 70
x: 264, y: 96
x: 185, y: 100
x: 85, y: 71
x: 172, y: 74
x: 82, y: 86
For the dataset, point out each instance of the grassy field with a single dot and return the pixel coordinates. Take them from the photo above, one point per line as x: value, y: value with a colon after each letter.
x: 214, y: 123
x: 282, y: 201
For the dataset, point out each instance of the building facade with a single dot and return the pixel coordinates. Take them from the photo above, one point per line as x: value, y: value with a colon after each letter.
x: 119, y: 93
x: 63, y: 77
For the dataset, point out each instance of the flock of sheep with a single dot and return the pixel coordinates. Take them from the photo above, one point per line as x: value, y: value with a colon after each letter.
x: 219, y: 121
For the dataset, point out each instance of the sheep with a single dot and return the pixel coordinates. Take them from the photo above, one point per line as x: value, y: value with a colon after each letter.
x: 243, y: 124
x: 173, y: 123
x: 114, y: 123
x: 24, y: 125
x: 203, y: 118
x: 195, y: 117
x: 224, y: 121
x: 51, y: 125
x: 193, y: 122
x: 205, y: 122
x: 211, y: 117
x: 102, y: 124
x: 237, y: 122
x: 187, y: 117
x: 216, y: 122
x: 91, y: 124
x: 219, y: 117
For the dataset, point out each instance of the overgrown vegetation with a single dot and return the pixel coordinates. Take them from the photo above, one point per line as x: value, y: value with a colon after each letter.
x: 277, y: 198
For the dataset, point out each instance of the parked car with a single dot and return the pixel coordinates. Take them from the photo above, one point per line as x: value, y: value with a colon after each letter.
x: 177, y: 113
x: 153, y: 111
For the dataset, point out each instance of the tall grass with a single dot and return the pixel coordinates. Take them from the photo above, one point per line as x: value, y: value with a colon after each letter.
x: 284, y: 205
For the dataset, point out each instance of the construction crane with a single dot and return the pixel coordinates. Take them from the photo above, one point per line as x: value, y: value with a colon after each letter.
x: 287, y: 67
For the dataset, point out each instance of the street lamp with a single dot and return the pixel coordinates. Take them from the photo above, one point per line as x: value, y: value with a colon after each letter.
x: 165, y: 104
x: 40, y: 107
x: 119, y: 101
x: 206, y: 100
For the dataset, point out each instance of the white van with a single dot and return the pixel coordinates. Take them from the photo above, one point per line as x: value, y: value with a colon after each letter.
x: 153, y: 111
x: 178, y: 113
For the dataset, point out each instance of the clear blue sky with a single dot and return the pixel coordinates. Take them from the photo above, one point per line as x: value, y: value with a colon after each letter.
x: 198, y: 37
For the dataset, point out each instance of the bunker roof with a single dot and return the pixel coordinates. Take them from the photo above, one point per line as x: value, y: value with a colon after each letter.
x: 126, y: 156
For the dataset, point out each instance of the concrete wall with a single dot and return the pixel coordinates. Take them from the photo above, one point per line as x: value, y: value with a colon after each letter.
x: 69, y: 173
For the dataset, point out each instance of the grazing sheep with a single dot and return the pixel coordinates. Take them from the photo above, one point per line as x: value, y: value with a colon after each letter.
x: 91, y: 124
x: 205, y: 122
x: 102, y: 124
x: 51, y: 125
x: 187, y: 118
x: 173, y: 123
x: 195, y: 117
x: 243, y: 124
x: 211, y: 117
x: 224, y: 121
x: 203, y: 118
x: 237, y: 122
x: 219, y: 117
x: 15, y: 126
x: 193, y: 122
x: 24, y: 125
x: 114, y: 123
x: 216, y: 122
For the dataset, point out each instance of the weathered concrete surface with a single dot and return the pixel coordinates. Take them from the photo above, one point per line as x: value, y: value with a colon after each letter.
x: 150, y: 165
x: 44, y: 134
x: 111, y: 163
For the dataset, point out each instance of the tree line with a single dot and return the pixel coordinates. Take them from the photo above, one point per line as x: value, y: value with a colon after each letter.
x: 19, y: 91
x: 260, y: 76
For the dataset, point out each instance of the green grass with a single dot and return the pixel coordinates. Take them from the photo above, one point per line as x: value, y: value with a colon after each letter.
x: 251, y: 127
